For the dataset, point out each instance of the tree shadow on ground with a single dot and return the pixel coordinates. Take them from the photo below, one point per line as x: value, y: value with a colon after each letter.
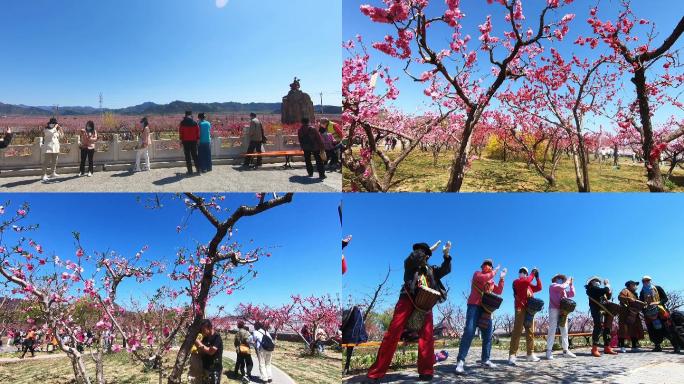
x: 170, y: 179
x: 128, y: 173
x: 21, y: 183
x: 305, y: 180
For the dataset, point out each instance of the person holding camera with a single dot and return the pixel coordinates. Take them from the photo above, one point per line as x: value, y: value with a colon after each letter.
x: 52, y: 134
x: 523, y: 289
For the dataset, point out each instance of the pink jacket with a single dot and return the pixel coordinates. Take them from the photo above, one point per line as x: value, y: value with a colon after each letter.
x: 559, y: 291
x: 485, y: 283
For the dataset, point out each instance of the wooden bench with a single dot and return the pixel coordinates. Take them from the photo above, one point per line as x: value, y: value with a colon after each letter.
x: 286, y: 154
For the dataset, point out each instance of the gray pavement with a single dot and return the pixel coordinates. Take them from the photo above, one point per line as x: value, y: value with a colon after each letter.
x: 279, y: 377
x: 627, y: 368
x: 223, y: 178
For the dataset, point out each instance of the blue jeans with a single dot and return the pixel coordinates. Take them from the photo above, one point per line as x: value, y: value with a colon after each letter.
x: 472, y: 316
x: 205, y: 156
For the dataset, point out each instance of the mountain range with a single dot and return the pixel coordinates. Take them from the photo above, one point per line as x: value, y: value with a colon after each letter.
x: 150, y: 108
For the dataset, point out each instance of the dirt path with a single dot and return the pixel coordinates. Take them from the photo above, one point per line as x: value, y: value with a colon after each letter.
x: 628, y: 368
x: 5, y: 360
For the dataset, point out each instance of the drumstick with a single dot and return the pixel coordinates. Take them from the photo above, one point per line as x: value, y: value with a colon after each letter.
x: 436, y: 245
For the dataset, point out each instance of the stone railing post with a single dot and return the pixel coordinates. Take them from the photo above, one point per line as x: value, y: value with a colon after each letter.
x: 115, y: 145
x: 279, y: 140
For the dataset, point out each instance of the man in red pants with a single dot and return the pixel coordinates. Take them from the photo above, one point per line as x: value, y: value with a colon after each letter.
x: 417, y: 272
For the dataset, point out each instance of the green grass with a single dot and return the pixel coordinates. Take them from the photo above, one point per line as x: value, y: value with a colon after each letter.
x: 120, y: 368
x: 418, y: 174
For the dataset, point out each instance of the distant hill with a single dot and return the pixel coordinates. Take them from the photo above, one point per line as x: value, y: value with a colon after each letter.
x: 150, y: 108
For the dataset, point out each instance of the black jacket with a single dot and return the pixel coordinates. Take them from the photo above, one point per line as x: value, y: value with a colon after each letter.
x: 597, y: 293
x: 413, y: 268
x: 6, y: 141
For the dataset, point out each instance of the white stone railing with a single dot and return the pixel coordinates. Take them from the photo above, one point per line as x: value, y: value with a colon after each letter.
x: 119, y: 151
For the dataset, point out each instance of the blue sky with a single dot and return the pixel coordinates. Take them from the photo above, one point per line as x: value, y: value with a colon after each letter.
x: 616, y: 236
x: 411, y: 98
x: 66, y: 52
x: 305, y: 235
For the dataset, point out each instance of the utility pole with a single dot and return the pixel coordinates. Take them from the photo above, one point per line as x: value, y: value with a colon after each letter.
x: 101, y: 111
x: 321, y: 102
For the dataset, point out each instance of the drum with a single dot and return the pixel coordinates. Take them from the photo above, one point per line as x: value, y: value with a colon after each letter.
x: 424, y: 300
x: 490, y: 303
x: 567, y: 306
x: 613, y: 308
x: 631, y: 311
x: 637, y: 305
x: 534, y: 305
x: 651, y: 312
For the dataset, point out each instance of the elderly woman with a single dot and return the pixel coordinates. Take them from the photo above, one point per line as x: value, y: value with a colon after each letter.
x: 561, y: 288
x: 598, y: 295
x: 629, y: 321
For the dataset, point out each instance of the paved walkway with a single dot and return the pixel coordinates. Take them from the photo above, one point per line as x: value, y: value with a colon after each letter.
x: 279, y: 377
x: 224, y: 178
x: 628, y: 368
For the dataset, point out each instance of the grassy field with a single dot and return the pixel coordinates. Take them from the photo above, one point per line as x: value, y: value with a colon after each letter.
x: 418, y: 174
x: 120, y: 369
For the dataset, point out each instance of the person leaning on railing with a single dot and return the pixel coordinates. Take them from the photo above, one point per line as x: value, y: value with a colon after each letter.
x: 7, y: 140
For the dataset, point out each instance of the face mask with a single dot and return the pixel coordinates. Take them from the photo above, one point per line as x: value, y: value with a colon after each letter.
x: 522, y: 275
x: 559, y: 281
x: 595, y: 283
x: 51, y: 125
x: 486, y: 269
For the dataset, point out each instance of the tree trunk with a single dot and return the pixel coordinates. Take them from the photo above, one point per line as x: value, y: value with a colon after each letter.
x: 460, y: 162
x: 184, y: 352
x: 79, y: 369
x: 655, y: 178
x: 584, y: 163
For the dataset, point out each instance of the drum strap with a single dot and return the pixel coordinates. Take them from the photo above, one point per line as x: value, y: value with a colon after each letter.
x: 481, y: 296
x: 604, y: 309
x: 415, y: 307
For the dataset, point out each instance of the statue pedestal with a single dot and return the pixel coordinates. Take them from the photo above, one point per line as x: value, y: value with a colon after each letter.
x: 296, y: 105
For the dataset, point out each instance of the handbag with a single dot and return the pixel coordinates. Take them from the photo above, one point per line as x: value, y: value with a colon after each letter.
x: 243, y: 349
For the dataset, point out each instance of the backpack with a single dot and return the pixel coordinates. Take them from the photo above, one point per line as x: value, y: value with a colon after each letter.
x: 267, y: 343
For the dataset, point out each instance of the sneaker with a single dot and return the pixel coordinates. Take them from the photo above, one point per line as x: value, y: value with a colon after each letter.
x: 533, y: 358
x: 46, y: 177
x: 460, y: 368
x: 569, y: 354
x: 512, y: 360
x: 635, y: 349
x: 489, y: 364
x: 80, y: 174
x: 549, y: 355
x: 657, y: 348
x: 425, y: 377
x: 623, y: 350
x: 54, y: 175
x: 90, y: 174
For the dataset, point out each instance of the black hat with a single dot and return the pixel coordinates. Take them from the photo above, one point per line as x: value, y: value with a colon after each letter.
x: 524, y: 270
x: 52, y: 120
x: 487, y: 261
x: 424, y: 247
x: 627, y: 284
